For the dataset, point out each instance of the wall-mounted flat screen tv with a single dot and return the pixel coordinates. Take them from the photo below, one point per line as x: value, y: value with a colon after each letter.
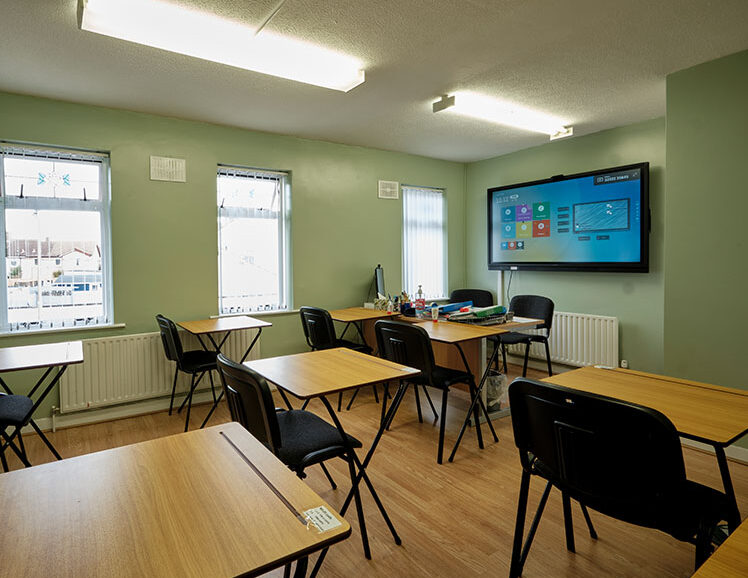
x: 594, y: 221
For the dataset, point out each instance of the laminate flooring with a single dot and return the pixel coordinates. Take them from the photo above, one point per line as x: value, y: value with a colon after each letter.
x: 456, y: 519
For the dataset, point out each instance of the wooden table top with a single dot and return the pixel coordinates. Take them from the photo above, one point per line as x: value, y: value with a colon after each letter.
x: 731, y: 558
x: 218, y: 324
x: 183, y: 505
x: 453, y: 332
x: 353, y: 314
x: 709, y: 413
x: 41, y: 355
x: 315, y: 373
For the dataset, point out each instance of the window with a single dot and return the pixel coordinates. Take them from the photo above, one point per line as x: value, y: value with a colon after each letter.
x: 55, y: 229
x: 424, y: 241
x: 253, y: 228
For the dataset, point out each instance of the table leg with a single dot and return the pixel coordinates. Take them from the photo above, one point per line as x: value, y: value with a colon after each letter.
x: 351, y: 459
x: 246, y: 353
x: 724, y: 471
x: 385, y: 421
x: 56, y: 378
x: 476, y: 402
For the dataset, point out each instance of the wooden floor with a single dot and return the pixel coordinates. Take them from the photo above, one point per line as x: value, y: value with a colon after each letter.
x: 455, y: 520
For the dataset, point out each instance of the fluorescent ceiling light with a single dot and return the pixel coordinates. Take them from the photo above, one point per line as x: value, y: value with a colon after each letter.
x: 501, y: 112
x: 169, y: 27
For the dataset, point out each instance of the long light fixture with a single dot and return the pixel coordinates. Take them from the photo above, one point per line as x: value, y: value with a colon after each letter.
x: 202, y: 35
x: 501, y: 112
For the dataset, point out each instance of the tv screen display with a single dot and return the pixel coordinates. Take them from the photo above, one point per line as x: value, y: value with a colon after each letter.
x: 594, y: 221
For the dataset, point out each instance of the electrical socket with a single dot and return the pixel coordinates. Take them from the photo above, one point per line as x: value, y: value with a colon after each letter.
x: 624, y: 364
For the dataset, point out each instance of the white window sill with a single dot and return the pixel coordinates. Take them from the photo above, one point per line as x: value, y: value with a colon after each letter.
x: 62, y: 330
x: 257, y: 313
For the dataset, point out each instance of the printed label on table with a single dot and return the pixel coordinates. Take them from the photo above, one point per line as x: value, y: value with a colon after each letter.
x: 322, y: 518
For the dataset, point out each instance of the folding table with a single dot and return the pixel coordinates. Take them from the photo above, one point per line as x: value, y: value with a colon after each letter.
x: 317, y: 374
x: 227, y: 325
x: 55, y: 358
x: 211, y: 502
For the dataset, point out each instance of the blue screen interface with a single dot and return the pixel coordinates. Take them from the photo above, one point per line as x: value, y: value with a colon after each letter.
x: 590, y: 219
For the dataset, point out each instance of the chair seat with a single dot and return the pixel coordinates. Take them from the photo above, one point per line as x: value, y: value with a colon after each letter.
x: 363, y: 348
x: 443, y: 377
x: 514, y: 337
x: 198, y: 360
x: 679, y: 513
x: 303, y: 433
x: 14, y: 409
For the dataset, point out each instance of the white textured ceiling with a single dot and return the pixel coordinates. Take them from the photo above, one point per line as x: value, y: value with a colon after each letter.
x: 598, y: 63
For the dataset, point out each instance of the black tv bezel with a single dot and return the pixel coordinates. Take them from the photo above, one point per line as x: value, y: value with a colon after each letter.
x: 641, y: 266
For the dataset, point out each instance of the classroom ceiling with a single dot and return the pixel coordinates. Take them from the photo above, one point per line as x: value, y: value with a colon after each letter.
x: 598, y: 63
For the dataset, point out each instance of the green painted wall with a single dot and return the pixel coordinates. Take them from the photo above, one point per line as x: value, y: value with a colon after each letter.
x: 635, y: 298
x: 164, y: 235
x: 707, y: 207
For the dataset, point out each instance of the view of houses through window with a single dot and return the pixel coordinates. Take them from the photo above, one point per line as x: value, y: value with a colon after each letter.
x: 55, y: 228
x: 252, y: 240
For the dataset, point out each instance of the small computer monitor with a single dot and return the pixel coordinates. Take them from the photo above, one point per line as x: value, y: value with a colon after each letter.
x: 379, y: 279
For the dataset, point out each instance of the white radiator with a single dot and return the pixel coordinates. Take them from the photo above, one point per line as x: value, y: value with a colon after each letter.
x: 577, y: 339
x: 133, y: 368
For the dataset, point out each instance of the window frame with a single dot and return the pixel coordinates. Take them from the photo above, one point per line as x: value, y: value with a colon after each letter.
x: 102, y: 206
x: 285, y: 269
x: 445, y: 241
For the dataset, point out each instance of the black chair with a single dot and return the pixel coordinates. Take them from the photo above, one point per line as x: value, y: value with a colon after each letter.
x: 15, y: 412
x: 536, y: 307
x: 196, y: 363
x: 319, y: 331
x: 409, y: 344
x: 620, y: 459
x: 298, y: 438
x: 479, y: 297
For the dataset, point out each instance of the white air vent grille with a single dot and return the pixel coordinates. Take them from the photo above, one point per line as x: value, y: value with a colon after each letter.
x: 389, y: 190
x: 168, y: 169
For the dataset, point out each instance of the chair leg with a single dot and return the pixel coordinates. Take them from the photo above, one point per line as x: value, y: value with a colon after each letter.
x: 340, y: 402
x: 703, y: 545
x: 329, y: 477
x: 173, y: 389
x: 527, y: 356
x: 22, y: 447
x: 515, y: 569
x: 189, y: 392
x: 548, y: 358
x: 587, y: 519
x: 534, y: 525
x: 418, y: 404
x: 350, y: 403
x: 376, y: 393
x: 2, y: 455
x: 503, y: 357
x: 568, y: 522
x: 442, y: 425
x: 431, y: 403
x: 212, y: 385
x: 188, y: 399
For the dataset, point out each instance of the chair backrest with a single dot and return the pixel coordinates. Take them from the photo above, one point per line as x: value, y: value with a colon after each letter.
x: 250, y: 401
x: 618, y: 458
x: 534, y: 306
x: 319, y: 329
x: 479, y: 297
x: 170, y: 338
x: 406, y: 344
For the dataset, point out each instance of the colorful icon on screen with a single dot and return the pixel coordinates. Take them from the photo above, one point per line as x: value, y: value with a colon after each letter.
x: 512, y: 245
x: 507, y: 231
x: 524, y: 213
x: 541, y: 228
x: 504, y: 246
x: 520, y: 245
x: 507, y: 215
x: 524, y: 229
x: 541, y: 211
